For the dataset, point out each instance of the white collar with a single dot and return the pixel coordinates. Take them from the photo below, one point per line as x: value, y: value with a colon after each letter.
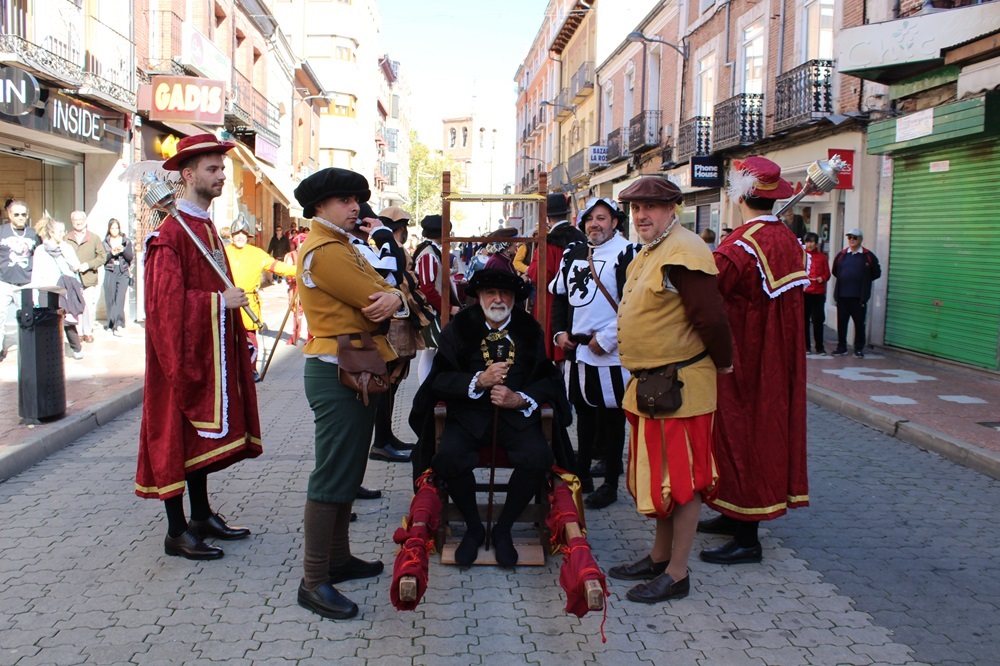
x: 559, y: 224
x: 330, y: 225
x: 193, y: 209
x: 763, y: 218
x: 858, y: 251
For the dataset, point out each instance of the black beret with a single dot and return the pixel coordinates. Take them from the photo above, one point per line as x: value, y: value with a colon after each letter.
x: 431, y: 224
x: 329, y: 183
x: 494, y: 278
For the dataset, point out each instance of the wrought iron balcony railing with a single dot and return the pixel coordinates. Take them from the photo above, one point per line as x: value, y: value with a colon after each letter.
x: 803, y: 94
x: 577, y: 165
x: 739, y: 121
x: 694, y: 138
x: 165, y: 43
x: 618, y: 145
x: 563, y: 106
x: 240, y: 103
x: 265, y: 118
x: 53, y: 47
x: 582, y: 82
x: 559, y: 176
x: 644, y: 131
x: 110, y: 63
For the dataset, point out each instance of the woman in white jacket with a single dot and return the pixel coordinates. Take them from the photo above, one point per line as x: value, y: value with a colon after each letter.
x: 53, y: 260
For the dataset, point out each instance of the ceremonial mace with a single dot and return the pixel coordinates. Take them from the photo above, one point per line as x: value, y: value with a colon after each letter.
x: 821, y: 176
x: 504, y: 349
x: 160, y: 196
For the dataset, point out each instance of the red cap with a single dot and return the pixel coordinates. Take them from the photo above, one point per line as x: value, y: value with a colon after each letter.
x: 198, y: 144
x: 768, y: 181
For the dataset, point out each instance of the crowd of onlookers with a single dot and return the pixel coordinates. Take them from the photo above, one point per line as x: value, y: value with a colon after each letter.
x: 47, y: 253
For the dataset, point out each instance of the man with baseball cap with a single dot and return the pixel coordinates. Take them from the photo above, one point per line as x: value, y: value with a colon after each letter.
x: 761, y: 435
x: 199, y: 411
x: 855, y: 269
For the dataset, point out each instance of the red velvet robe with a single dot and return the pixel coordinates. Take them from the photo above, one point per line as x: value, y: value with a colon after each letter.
x: 199, y: 409
x: 761, y: 428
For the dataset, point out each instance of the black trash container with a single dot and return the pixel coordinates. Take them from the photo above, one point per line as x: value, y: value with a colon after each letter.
x: 41, y: 370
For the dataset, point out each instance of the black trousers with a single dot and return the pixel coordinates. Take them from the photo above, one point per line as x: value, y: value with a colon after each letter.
x: 459, y: 450
x: 602, y: 430
x: 115, y: 290
x: 851, y: 309
x: 816, y: 314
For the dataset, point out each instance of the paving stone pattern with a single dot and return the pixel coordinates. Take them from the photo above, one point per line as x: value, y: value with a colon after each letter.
x: 894, y: 564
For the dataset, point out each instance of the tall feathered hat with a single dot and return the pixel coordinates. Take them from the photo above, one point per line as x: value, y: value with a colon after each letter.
x: 757, y: 177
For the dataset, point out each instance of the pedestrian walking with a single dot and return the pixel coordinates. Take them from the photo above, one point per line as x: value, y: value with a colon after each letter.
x: 117, y: 275
x: 815, y: 293
x: 855, y: 268
x: 90, y: 251
x: 199, y: 411
x: 674, y: 338
x: 341, y: 295
x: 761, y: 437
x: 55, y: 265
x: 18, y: 241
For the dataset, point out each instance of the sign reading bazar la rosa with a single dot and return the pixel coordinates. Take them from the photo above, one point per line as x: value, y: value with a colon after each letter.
x: 188, y: 99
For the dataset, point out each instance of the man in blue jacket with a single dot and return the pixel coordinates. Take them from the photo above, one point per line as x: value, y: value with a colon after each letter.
x: 855, y: 269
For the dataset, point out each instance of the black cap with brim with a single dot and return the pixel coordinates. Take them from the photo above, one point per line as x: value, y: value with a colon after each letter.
x: 328, y: 183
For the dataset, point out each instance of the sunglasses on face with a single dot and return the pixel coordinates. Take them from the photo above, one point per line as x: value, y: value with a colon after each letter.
x: 850, y: 237
x: 19, y: 215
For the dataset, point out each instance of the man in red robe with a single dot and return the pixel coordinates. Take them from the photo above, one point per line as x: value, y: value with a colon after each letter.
x: 760, y: 441
x: 561, y: 234
x: 199, y: 410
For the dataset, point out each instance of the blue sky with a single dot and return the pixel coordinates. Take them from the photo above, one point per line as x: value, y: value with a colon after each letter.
x: 459, y: 53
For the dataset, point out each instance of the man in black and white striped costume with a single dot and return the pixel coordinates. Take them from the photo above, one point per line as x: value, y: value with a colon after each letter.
x: 585, y: 317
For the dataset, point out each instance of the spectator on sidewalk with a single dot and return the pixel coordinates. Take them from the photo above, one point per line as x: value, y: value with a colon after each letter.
x: 708, y: 236
x: 18, y: 241
x: 815, y: 293
x: 855, y: 269
x: 90, y: 251
x: 117, y: 275
x: 55, y: 265
x: 280, y: 244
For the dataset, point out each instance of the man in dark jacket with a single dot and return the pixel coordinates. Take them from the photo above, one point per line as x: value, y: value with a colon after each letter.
x: 855, y: 269
x: 491, y: 364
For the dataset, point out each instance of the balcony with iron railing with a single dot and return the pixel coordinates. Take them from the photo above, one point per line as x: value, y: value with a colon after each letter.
x: 559, y: 176
x: 582, y: 83
x: 803, y: 95
x: 694, y: 137
x: 265, y: 118
x: 644, y: 131
x: 577, y: 165
x: 618, y: 145
x: 52, y: 48
x: 562, y: 104
x: 738, y: 121
x: 239, y: 101
x: 109, y: 70
x: 536, y: 126
x: 165, y: 43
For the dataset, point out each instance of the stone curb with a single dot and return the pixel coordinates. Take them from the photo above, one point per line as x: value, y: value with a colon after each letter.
x: 64, y: 432
x: 954, y: 449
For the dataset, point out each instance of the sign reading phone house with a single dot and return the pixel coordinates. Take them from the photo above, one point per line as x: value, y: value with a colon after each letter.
x: 58, y: 114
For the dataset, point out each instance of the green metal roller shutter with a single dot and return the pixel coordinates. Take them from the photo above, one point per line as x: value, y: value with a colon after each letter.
x: 944, y: 257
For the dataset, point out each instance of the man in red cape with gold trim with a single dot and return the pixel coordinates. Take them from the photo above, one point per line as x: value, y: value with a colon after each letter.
x: 199, y: 410
x: 760, y: 443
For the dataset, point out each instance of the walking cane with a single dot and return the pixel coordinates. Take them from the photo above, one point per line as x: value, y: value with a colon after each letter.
x: 500, y: 354
x: 277, y: 339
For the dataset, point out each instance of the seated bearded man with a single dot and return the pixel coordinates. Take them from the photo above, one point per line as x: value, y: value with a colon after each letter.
x: 491, y: 364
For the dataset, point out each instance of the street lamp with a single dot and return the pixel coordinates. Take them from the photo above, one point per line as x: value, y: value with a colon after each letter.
x: 557, y: 105
x: 637, y: 36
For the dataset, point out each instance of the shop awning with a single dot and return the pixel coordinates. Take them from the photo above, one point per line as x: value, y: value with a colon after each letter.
x: 282, y: 187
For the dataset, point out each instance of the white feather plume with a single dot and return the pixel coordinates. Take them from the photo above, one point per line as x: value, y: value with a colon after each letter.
x: 741, y: 183
x: 135, y: 171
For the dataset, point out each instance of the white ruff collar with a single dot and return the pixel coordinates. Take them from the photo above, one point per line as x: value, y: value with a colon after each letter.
x: 193, y: 209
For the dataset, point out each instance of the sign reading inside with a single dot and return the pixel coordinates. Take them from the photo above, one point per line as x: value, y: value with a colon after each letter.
x: 706, y: 171
x: 188, y: 99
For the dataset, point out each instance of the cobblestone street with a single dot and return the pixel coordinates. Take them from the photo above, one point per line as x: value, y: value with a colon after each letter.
x: 893, y: 563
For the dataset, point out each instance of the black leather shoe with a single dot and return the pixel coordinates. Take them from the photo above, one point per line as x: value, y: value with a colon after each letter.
x: 354, y: 517
x: 215, y: 526
x: 721, y: 524
x: 366, y: 494
x: 503, y: 547
x: 188, y: 544
x: 644, y: 569
x: 598, y: 469
x: 586, y: 485
x: 325, y: 600
x: 662, y: 588
x: 732, y: 553
x: 354, y: 569
x: 400, y: 445
x: 388, y: 454
x: 604, y: 496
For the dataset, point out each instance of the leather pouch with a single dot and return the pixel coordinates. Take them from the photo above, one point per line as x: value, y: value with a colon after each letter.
x: 360, y: 366
x: 658, y: 391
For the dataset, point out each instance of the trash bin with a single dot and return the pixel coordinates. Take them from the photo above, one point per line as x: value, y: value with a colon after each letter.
x: 41, y: 370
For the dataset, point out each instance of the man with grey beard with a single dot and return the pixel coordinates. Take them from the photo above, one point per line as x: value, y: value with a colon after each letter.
x: 490, y: 366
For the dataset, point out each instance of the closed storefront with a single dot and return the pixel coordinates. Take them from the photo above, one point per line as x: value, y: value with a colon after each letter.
x: 944, y: 272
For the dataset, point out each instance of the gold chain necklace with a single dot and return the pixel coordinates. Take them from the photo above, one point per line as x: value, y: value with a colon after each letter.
x: 496, y: 336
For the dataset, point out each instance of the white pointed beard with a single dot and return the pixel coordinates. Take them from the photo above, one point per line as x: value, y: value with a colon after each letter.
x: 497, y: 313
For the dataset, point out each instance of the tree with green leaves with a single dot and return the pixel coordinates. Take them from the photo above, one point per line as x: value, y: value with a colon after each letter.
x: 426, y: 167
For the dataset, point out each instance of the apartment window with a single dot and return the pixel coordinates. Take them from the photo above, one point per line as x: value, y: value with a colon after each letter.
x: 395, y: 106
x: 753, y: 58
x: 465, y: 137
x: 392, y: 138
x: 706, y: 5
x: 609, y: 110
x: 819, y: 30
x: 705, y: 97
x: 391, y: 173
x: 344, y: 53
x: 452, y: 135
x: 629, y: 107
x: 344, y: 106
